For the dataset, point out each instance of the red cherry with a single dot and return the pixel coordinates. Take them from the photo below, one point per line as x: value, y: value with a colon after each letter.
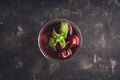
x: 74, y: 41
x: 65, y: 53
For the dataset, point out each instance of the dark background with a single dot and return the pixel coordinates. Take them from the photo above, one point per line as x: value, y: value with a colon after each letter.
x: 21, y: 21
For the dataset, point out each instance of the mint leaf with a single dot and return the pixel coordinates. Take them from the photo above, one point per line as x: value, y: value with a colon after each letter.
x: 59, y: 38
x: 62, y: 43
x: 52, y: 42
x: 64, y: 29
x: 55, y: 35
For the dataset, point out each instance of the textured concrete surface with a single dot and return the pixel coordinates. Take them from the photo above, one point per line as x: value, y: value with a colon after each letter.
x: 21, y: 21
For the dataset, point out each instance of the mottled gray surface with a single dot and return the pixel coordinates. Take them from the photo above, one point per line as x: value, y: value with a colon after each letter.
x: 21, y: 21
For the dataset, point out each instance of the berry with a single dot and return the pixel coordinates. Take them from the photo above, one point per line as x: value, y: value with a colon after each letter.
x: 74, y: 41
x: 65, y: 53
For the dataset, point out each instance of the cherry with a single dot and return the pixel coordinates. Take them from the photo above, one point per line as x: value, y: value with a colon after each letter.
x: 65, y: 53
x: 74, y: 41
x: 70, y: 30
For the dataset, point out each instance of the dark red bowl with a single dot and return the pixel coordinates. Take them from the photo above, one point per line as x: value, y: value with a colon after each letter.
x: 58, y: 53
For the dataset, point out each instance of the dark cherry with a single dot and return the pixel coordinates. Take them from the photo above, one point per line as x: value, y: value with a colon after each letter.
x: 70, y: 30
x: 65, y: 53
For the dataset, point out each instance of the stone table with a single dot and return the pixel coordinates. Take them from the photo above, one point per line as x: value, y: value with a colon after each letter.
x: 21, y: 21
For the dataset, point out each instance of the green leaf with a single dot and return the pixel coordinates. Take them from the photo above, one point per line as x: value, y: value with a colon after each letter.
x: 59, y: 38
x: 64, y: 29
x: 62, y: 43
x: 55, y: 35
x: 52, y: 42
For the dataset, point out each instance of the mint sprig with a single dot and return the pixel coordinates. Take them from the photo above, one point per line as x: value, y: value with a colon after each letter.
x: 59, y: 38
